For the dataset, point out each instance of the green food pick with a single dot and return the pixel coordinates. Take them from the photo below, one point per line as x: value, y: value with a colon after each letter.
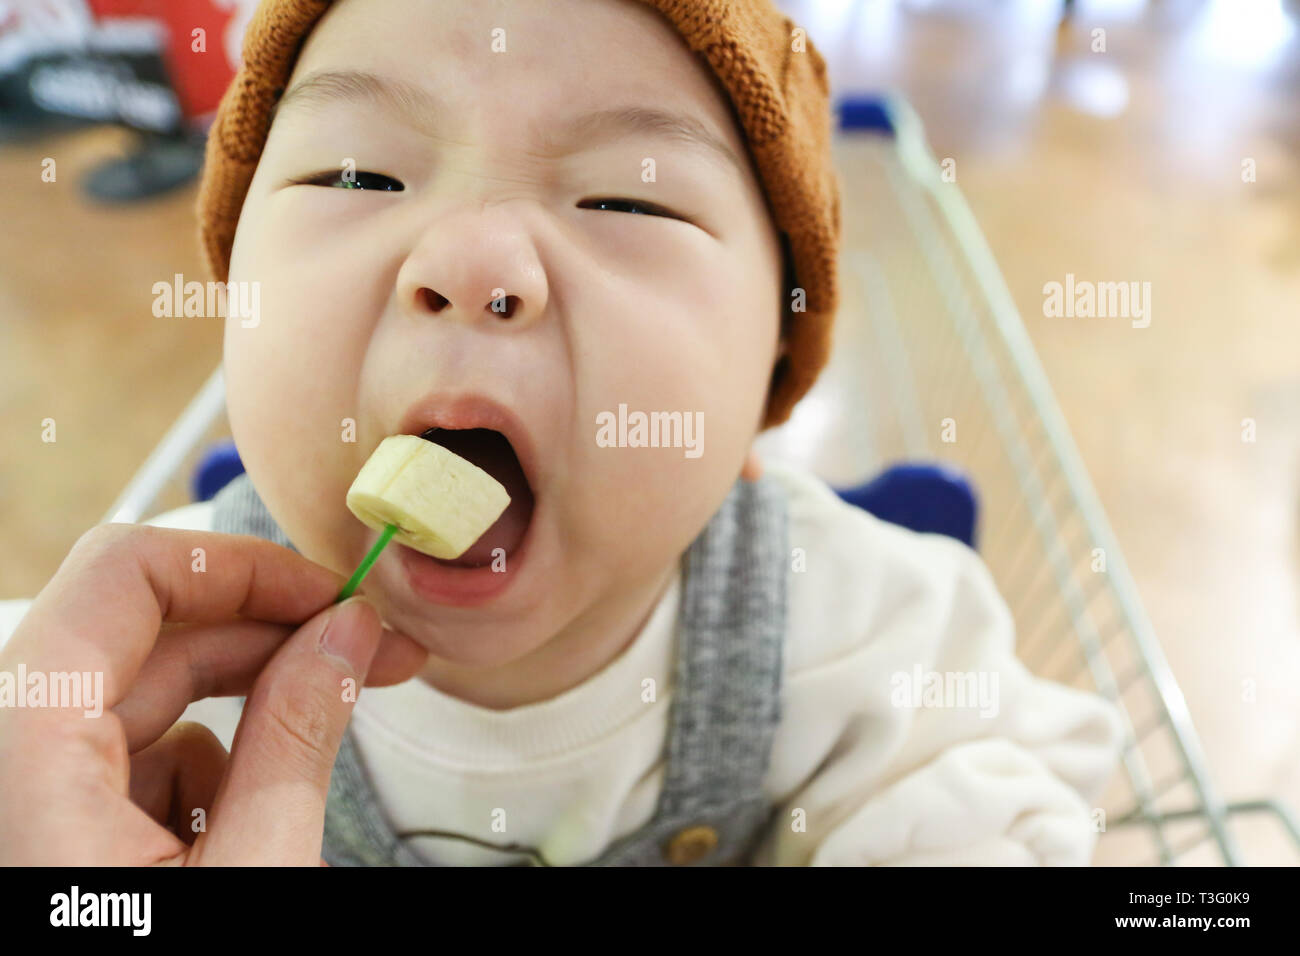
x: 435, y: 501
x: 364, y: 567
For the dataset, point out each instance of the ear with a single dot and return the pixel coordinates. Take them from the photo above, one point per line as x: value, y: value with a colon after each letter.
x: 752, y: 470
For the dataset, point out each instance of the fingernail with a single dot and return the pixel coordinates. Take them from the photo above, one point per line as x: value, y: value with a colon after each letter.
x: 344, y: 636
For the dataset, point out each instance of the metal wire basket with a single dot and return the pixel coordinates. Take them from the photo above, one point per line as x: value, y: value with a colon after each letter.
x: 932, y: 363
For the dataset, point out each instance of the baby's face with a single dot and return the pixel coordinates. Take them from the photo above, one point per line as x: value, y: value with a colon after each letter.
x: 629, y: 265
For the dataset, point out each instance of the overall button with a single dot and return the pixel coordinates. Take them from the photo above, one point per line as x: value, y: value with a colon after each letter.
x: 691, y: 845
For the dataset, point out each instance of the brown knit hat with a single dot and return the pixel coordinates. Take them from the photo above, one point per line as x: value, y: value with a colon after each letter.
x: 779, y: 91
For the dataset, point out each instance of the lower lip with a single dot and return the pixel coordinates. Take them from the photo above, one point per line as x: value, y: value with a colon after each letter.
x: 462, y: 587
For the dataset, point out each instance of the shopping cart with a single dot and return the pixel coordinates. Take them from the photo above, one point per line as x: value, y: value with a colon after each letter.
x: 950, y: 426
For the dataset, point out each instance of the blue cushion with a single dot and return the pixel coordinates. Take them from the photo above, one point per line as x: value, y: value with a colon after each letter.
x: 865, y: 113
x: 218, y: 467
x: 927, y: 498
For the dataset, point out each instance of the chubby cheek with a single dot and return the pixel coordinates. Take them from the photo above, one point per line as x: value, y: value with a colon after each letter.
x: 290, y: 384
x: 708, y: 369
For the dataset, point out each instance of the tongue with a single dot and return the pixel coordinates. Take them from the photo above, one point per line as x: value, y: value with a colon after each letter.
x: 490, y: 451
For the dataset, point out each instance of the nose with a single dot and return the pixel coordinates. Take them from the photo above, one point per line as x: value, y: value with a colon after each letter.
x: 475, y: 265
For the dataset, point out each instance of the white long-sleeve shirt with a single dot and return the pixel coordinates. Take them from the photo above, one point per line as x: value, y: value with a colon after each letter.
x: 871, y: 763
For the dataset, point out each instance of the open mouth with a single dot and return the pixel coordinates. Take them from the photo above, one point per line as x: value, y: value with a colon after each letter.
x: 490, y: 450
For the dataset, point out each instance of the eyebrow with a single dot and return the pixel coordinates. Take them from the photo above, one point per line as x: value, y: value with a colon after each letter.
x: 418, y: 107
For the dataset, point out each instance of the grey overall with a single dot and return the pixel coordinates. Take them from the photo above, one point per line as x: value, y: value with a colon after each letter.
x: 726, y: 705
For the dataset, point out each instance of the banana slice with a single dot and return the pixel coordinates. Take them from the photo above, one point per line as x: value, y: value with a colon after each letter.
x: 440, y: 502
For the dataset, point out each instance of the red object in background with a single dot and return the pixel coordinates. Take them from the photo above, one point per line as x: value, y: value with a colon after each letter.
x: 199, y: 79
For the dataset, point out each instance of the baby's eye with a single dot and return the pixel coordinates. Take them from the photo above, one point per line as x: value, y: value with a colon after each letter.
x: 636, y: 206
x: 331, y: 178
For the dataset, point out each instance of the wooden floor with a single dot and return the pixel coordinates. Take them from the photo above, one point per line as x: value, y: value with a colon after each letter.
x: 79, y: 344
x: 1122, y: 165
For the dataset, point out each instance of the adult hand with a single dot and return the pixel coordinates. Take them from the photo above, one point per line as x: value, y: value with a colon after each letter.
x: 120, y: 788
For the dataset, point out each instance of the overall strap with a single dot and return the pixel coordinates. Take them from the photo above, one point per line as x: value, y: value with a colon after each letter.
x: 727, y: 690
x: 238, y: 509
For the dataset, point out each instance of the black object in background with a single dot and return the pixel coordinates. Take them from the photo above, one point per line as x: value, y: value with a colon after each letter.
x: 56, y: 90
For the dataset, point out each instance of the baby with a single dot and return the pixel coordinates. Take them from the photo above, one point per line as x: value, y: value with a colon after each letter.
x: 597, y: 259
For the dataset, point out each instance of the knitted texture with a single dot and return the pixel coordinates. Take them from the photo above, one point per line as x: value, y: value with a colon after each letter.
x: 780, y: 95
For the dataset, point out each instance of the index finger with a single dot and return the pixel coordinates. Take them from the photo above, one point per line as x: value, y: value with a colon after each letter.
x: 102, y: 610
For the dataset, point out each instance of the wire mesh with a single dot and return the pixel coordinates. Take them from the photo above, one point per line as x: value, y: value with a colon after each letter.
x: 931, y: 363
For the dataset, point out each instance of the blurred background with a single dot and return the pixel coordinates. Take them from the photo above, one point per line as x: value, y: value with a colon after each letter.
x: 1149, y: 141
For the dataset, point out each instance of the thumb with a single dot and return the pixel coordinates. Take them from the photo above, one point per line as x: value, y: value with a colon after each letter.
x: 270, y: 808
